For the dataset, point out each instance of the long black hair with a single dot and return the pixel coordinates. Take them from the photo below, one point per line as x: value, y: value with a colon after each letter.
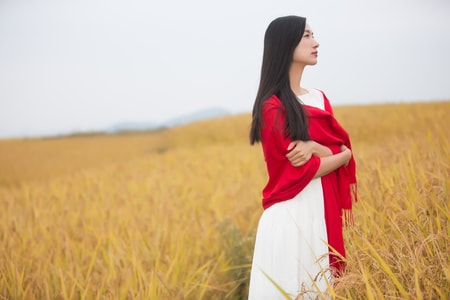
x: 280, y: 40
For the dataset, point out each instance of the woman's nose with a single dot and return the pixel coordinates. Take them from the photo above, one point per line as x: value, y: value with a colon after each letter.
x: 316, y: 44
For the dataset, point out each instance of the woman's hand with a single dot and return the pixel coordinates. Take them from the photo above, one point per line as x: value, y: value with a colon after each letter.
x: 349, y: 153
x: 300, y: 152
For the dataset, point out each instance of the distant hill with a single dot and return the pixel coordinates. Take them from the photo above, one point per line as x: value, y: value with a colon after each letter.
x: 181, y: 120
x: 131, y: 126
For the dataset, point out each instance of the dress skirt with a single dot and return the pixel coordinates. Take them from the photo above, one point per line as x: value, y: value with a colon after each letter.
x: 291, y: 249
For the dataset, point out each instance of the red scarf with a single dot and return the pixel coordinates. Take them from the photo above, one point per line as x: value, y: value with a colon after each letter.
x: 339, y: 187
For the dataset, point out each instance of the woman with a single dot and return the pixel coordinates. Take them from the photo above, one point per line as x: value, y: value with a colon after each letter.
x: 299, y: 245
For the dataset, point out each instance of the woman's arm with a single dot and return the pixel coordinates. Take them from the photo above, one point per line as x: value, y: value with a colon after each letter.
x: 300, y: 152
x: 330, y: 163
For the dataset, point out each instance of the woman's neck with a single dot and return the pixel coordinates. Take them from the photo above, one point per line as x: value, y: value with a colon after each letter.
x: 295, y: 77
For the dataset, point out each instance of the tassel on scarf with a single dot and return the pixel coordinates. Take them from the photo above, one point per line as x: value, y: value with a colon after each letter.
x: 347, y: 214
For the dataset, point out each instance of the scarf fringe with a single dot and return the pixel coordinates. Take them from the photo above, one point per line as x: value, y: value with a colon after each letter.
x: 347, y: 214
x: 347, y: 218
x: 354, y: 192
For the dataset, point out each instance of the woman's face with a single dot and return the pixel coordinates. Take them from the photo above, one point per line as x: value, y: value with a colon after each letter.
x: 306, y: 51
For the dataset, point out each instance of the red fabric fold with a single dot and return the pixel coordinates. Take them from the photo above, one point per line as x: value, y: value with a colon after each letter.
x: 325, y: 129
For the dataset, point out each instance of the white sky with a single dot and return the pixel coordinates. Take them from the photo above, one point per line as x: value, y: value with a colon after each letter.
x: 84, y: 65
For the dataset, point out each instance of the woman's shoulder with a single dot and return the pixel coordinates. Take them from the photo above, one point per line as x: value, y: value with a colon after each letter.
x: 272, y: 101
x: 320, y: 100
x: 316, y: 92
x: 273, y: 107
x: 314, y: 97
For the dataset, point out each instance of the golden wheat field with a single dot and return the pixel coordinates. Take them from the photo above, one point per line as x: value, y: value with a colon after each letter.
x: 171, y: 214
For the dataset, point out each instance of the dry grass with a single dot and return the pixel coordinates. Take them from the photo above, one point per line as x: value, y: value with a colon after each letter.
x: 172, y: 214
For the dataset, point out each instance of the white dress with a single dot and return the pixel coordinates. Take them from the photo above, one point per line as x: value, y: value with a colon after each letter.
x: 291, y: 242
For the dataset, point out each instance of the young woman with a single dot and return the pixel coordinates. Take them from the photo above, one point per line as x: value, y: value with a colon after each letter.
x: 299, y: 245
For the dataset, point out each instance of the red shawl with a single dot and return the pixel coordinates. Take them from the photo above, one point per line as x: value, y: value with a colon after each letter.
x: 286, y: 181
x: 339, y: 187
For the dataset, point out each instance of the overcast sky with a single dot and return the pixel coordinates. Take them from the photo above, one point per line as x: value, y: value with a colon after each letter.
x: 84, y: 65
